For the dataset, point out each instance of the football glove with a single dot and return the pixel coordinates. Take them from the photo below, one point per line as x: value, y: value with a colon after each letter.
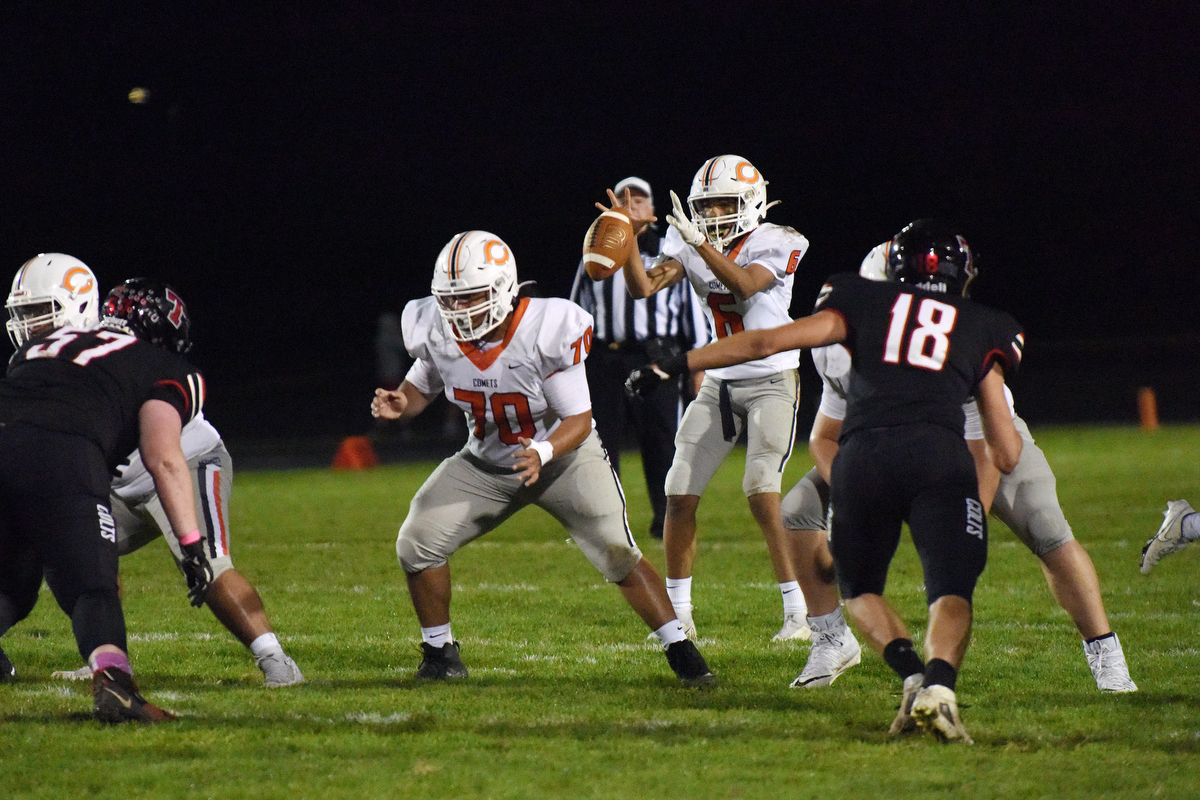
x: 641, y: 382
x: 198, y: 572
x: 681, y: 222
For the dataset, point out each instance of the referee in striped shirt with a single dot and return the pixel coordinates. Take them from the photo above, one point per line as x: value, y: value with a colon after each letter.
x: 627, y: 335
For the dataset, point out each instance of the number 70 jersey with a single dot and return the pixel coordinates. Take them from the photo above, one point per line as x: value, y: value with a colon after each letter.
x: 501, y: 388
x: 916, y: 356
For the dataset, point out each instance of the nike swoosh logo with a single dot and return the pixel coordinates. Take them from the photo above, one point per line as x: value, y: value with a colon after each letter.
x: 513, y: 366
x: 120, y: 699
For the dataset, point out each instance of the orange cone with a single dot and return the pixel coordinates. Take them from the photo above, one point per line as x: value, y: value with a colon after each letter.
x: 355, y: 453
x: 1148, y: 409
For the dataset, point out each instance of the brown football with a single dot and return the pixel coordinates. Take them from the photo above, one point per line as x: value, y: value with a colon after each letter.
x: 608, y: 244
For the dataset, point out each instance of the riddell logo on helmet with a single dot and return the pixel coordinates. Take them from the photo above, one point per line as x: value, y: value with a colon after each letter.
x: 72, y: 279
x: 490, y: 254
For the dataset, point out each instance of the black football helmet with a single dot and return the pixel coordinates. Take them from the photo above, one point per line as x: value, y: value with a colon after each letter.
x: 931, y: 255
x: 151, y: 311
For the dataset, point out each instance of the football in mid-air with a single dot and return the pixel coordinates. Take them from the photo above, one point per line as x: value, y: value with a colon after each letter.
x: 608, y: 243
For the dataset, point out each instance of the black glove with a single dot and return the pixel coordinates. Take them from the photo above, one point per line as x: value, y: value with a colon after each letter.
x: 641, y: 382
x: 197, y: 570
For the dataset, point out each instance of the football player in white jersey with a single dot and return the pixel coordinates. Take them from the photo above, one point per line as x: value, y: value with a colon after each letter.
x: 515, y: 366
x: 742, y: 269
x: 61, y: 286
x: 1025, y: 500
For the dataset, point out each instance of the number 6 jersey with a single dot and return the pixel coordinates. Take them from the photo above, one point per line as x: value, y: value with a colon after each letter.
x: 501, y: 387
x: 917, y: 356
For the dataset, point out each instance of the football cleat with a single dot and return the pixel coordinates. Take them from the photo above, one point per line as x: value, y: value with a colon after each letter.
x: 795, y: 626
x: 935, y: 710
x: 84, y: 673
x: 8, y: 673
x: 441, y: 663
x: 1169, y: 538
x: 1107, y: 661
x: 833, y: 652
x: 688, y: 664
x: 116, y: 699
x: 279, y: 670
x: 904, y: 722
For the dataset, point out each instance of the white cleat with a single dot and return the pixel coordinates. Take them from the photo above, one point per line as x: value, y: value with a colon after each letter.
x: 833, y: 652
x: 935, y: 710
x: 279, y: 670
x: 904, y: 722
x: 1169, y: 538
x: 1107, y: 661
x: 795, y: 627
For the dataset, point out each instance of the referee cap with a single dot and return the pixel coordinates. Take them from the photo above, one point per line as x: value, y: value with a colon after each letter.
x: 637, y: 184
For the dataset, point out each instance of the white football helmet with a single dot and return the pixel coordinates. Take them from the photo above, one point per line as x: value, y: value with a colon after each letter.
x: 475, y: 263
x: 730, y: 180
x: 874, y: 266
x: 49, y: 291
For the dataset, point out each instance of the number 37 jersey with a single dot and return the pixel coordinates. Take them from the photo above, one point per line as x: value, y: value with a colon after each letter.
x: 501, y: 388
x: 917, y: 356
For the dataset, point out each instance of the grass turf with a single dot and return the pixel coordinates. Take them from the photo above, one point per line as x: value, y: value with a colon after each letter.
x: 567, y: 698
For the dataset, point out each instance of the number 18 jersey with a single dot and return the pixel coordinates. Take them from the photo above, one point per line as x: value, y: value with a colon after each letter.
x: 917, y: 356
x: 501, y: 389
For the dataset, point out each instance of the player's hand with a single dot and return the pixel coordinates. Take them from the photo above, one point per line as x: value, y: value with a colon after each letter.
x: 642, y: 382
x: 198, y: 572
x: 680, y: 221
x: 528, y: 464
x: 637, y: 218
x: 388, y: 404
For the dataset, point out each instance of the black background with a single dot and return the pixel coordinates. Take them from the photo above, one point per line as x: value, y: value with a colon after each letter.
x: 295, y: 172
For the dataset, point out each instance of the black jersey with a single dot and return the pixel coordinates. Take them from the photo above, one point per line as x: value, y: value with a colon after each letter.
x: 916, y: 356
x: 93, y: 382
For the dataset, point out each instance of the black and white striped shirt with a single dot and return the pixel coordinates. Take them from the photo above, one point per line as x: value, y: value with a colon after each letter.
x: 673, y: 313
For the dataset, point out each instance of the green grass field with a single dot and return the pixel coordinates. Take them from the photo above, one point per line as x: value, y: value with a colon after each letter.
x: 567, y: 699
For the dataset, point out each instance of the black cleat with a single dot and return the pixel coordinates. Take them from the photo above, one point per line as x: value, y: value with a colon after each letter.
x: 688, y: 664
x: 117, y: 699
x: 441, y: 663
x: 8, y: 673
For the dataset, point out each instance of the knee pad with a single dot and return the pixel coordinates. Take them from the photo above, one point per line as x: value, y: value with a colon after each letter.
x: 763, y: 474
x: 804, y: 507
x: 1046, y: 531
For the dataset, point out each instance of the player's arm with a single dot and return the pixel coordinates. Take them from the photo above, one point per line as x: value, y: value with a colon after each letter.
x: 742, y: 281
x: 998, y: 430
x: 569, y: 434
x: 641, y: 282
x: 402, y: 403
x: 823, y: 443
x: 159, y: 429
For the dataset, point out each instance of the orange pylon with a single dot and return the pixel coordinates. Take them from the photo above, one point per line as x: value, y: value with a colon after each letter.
x: 355, y: 453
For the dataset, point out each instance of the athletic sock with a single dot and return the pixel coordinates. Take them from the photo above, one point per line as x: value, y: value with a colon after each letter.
x: 834, y: 620
x: 265, y: 644
x: 793, y: 599
x: 939, y: 672
x: 680, y: 592
x: 902, y: 658
x: 670, y: 633
x: 437, y: 636
x: 102, y: 661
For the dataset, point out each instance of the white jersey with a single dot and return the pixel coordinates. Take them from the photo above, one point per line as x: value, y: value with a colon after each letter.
x: 833, y: 365
x: 501, y: 389
x: 776, y: 247
x: 133, y: 480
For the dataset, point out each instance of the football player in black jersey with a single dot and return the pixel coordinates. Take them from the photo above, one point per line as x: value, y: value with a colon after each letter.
x: 919, y: 350
x: 75, y: 402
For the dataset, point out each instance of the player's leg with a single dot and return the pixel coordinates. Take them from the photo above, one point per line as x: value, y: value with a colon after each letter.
x: 1027, y: 501
x: 700, y: 447
x: 459, y: 502
x: 769, y: 406
x: 583, y: 493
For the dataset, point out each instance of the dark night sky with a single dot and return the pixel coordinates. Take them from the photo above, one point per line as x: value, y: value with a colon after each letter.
x: 296, y: 173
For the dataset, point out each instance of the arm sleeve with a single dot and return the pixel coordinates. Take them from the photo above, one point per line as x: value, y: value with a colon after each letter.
x: 567, y: 391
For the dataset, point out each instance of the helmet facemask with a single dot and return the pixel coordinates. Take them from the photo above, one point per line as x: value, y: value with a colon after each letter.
x: 475, y: 284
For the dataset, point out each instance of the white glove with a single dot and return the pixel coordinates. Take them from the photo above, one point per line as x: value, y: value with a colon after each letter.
x: 681, y: 222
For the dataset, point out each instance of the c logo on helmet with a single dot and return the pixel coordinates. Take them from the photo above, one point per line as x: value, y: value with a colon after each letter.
x: 72, y: 280
x: 490, y: 255
x: 746, y: 172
